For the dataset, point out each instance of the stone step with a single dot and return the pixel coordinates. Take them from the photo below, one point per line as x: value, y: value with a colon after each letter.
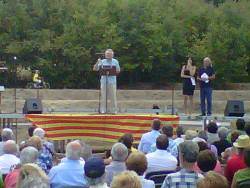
x: 218, y: 105
x: 141, y: 95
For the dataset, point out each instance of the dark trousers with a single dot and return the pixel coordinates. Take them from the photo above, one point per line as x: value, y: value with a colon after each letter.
x: 206, y: 95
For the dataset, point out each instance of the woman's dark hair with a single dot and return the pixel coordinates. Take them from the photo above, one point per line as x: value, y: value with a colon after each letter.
x: 240, y: 124
x: 202, y: 146
x: 212, y: 127
x: 127, y: 139
x: 206, y: 160
x: 179, y: 131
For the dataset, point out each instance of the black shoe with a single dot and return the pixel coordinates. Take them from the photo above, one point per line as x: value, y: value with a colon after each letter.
x: 202, y: 115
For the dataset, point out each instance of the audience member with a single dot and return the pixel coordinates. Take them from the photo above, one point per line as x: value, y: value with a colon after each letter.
x: 206, y: 161
x: 127, y: 139
x: 94, y: 169
x: 232, y: 150
x: 222, y: 144
x: 70, y: 172
x: 190, y: 134
x: 7, y: 134
x: 45, y: 159
x: 31, y: 131
x: 212, y: 135
x: 202, y: 137
x: 244, y: 174
x: 46, y: 144
x: 27, y: 155
x: 149, y: 138
x: 213, y: 180
x: 186, y: 177
x: 203, y: 146
x: 126, y: 179
x: 138, y: 162
x: 161, y: 159
x: 9, y: 159
x: 247, y: 128
x: 119, y: 153
x: 33, y: 176
x: 172, y: 146
x: 86, y: 152
x: 236, y: 162
x: 240, y: 126
x: 180, y: 134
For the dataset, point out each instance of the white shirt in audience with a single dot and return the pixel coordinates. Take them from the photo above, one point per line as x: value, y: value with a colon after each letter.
x: 146, y: 183
x: 8, y: 162
x: 147, y: 140
x: 161, y: 160
x: 178, y: 140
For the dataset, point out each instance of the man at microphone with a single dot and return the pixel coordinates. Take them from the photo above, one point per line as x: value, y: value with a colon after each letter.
x: 108, y: 82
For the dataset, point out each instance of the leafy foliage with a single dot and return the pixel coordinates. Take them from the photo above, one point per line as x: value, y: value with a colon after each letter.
x: 151, y: 38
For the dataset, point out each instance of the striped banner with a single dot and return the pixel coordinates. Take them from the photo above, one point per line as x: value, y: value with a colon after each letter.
x: 99, y: 127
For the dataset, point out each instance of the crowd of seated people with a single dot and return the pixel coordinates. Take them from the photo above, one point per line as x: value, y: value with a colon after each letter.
x: 217, y: 157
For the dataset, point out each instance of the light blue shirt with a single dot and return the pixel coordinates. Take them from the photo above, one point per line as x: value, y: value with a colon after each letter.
x: 68, y: 173
x: 147, y: 140
x: 113, y: 169
x: 146, y: 183
x: 172, y: 147
x: 106, y: 62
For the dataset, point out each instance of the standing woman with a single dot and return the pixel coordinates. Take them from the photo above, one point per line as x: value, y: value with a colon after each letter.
x: 188, y: 75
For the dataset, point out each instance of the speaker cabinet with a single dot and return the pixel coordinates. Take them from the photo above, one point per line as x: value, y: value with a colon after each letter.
x: 33, y: 106
x: 234, y: 108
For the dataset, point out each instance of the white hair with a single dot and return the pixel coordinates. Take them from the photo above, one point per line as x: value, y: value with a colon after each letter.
x: 10, y: 147
x: 39, y: 132
x: 29, y: 155
x: 7, y: 134
x: 73, y: 150
x: 119, y: 152
x: 109, y: 50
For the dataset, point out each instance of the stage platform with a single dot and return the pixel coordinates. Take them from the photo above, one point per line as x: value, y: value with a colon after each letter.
x: 105, y: 127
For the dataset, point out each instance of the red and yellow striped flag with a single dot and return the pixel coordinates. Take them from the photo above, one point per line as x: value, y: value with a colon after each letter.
x: 99, y: 127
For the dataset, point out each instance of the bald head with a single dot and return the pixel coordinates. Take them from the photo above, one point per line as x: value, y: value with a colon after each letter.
x: 10, y: 147
x: 73, y: 150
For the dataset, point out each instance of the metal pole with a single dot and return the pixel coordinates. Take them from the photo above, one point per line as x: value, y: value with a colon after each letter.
x: 15, y: 83
x: 172, y: 100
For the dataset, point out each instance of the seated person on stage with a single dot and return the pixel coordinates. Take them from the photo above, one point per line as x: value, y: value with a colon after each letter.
x: 172, y: 146
x: 161, y: 159
x: 149, y: 138
x: 138, y: 162
x: 186, y: 177
x: 70, y: 172
x: 244, y: 174
x: 119, y: 153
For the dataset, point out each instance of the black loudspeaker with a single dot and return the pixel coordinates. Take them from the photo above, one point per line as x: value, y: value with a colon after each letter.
x: 234, y: 108
x: 33, y: 106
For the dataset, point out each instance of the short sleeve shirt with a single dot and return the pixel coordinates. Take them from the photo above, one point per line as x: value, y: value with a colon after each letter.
x: 209, y: 71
